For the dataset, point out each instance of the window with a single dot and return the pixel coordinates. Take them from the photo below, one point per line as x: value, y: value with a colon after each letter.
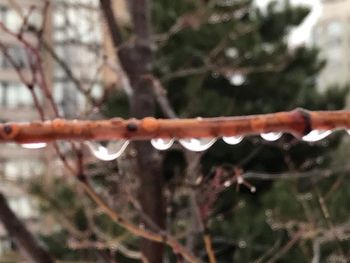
x: 58, y: 92
x: 14, y: 95
x: 22, y: 206
x: 59, y: 19
x: 97, y: 91
x: 77, y: 22
x: 13, y: 21
x: 68, y: 98
x: 20, y: 169
x: 18, y: 55
x: 334, y: 32
x: 334, y: 29
x: 3, y: 11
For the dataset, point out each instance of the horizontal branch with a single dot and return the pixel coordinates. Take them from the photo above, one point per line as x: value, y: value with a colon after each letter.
x: 298, y: 122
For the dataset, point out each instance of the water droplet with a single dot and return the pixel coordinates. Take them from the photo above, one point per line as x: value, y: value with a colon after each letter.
x: 252, y: 189
x: 240, y: 180
x: 162, y: 144
x: 215, y: 75
x: 198, y: 181
x: 231, y: 52
x: 227, y: 183
x: 233, y: 139
x: 108, y: 151
x: 316, y: 135
x: 241, y: 204
x: 242, y: 244
x: 237, y: 79
x: 38, y: 145
x: 271, y: 136
x: 197, y: 145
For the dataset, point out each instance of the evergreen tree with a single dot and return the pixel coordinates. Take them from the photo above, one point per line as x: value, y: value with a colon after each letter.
x: 230, y: 58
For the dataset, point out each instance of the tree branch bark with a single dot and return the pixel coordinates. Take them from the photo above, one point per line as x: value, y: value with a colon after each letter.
x: 298, y: 122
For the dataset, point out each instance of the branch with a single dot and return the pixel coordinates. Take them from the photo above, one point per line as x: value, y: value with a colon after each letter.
x: 140, y: 12
x: 22, y: 237
x: 113, y: 27
x: 161, y: 97
x: 298, y: 122
x: 209, y: 247
x: 138, y: 231
x: 37, y: 65
x: 64, y: 66
x: 287, y: 247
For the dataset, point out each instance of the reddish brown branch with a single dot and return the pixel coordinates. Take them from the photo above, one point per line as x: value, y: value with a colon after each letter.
x: 298, y: 122
x: 161, y: 237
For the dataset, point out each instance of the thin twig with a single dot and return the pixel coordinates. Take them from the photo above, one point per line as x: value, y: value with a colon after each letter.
x: 141, y: 232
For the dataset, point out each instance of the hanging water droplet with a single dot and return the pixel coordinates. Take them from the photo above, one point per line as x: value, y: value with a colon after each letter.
x: 227, y: 183
x: 231, y: 52
x: 215, y: 75
x: 237, y: 79
x: 108, y: 151
x: 198, y: 181
x: 162, y: 144
x: 242, y: 244
x: 252, y: 189
x: 197, y: 145
x: 271, y: 136
x: 232, y: 139
x: 240, y: 180
x: 316, y: 135
x: 38, y: 145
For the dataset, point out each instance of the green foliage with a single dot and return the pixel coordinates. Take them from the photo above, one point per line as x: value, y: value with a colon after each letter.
x: 195, y: 66
x: 199, y: 46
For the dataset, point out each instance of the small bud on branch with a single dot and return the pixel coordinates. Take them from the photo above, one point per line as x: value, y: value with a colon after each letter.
x: 298, y: 122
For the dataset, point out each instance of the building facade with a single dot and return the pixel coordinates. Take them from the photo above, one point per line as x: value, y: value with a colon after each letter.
x: 16, y: 104
x: 332, y: 35
x: 75, y: 31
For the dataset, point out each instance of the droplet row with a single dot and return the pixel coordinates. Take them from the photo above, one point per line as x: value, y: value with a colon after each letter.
x: 110, y: 150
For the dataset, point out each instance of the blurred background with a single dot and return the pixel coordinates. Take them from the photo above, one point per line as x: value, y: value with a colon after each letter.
x: 271, y: 198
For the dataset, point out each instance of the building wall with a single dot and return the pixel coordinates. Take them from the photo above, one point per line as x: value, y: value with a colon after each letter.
x: 16, y: 104
x: 74, y: 32
x: 332, y: 35
x: 79, y: 37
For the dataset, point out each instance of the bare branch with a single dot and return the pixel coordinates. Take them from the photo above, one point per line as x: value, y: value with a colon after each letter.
x: 298, y: 122
x: 23, y: 238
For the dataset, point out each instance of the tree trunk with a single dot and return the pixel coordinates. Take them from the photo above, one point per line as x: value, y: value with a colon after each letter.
x: 149, y: 172
x: 136, y: 60
x: 21, y: 236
